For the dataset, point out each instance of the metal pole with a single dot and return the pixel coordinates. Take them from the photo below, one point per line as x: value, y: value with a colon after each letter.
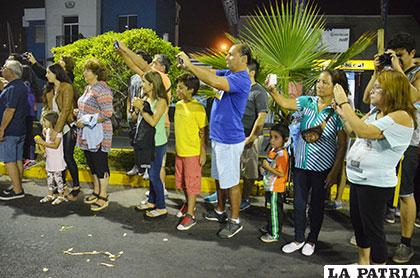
x: 9, y: 38
x: 231, y: 12
x: 384, y: 16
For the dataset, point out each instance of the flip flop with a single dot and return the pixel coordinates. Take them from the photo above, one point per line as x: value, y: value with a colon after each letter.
x: 90, y: 199
x: 47, y: 199
x: 146, y: 206
x: 96, y: 207
x: 157, y: 213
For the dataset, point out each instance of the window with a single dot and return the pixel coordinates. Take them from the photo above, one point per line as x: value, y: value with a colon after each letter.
x: 126, y: 22
x: 39, y: 34
x: 71, y: 29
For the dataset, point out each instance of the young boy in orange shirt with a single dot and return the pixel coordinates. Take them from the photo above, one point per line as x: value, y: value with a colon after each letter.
x: 190, y: 122
x: 275, y: 171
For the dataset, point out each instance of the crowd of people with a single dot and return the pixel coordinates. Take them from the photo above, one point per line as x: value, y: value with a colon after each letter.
x: 310, y: 152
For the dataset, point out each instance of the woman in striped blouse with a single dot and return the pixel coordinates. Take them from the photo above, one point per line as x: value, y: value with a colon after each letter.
x: 94, y: 135
x: 318, y: 162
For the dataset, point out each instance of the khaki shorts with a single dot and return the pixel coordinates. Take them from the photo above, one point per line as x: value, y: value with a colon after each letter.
x: 249, y: 160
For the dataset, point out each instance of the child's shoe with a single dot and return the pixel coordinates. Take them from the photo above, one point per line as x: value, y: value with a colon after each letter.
x: 187, y: 222
x: 268, y: 238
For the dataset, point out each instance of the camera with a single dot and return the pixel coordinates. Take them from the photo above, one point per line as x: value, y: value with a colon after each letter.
x: 385, y: 60
x: 116, y: 45
x: 24, y: 56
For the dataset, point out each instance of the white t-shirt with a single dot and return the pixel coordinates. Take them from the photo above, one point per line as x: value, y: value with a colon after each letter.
x: 373, y: 162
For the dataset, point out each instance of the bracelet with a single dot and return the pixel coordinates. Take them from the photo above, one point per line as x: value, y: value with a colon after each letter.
x: 341, y: 104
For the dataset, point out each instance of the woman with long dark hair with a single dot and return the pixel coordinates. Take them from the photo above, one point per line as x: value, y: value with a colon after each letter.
x: 157, y: 96
x: 59, y: 97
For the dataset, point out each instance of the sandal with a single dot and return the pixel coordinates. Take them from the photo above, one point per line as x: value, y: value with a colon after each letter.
x: 96, y: 207
x: 146, y: 206
x: 157, y: 213
x: 59, y: 200
x: 90, y: 199
x: 47, y: 199
x: 74, y: 193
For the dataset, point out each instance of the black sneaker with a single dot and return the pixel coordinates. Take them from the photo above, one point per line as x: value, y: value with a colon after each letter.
x: 6, y: 195
x: 212, y: 215
x: 403, y: 254
x: 230, y: 229
x: 390, y: 216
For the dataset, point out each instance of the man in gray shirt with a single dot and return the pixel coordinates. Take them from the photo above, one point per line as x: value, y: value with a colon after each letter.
x: 253, y: 121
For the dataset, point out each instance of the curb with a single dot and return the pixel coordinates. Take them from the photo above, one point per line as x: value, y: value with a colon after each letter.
x: 208, y: 185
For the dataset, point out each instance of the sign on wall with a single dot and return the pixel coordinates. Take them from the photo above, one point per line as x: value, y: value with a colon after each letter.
x: 336, y: 40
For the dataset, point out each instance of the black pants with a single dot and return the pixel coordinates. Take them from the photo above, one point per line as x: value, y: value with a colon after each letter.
x: 367, y: 211
x: 29, y: 145
x: 303, y: 182
x: 69, y: 142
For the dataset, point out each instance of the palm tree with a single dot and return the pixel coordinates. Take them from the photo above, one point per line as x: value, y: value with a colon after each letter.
x: 286, y: 38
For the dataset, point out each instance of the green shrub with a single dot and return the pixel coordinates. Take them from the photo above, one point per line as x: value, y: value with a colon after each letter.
x: 101, y: 47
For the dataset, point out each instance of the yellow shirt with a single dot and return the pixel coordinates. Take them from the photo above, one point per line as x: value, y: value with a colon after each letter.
x: 190, y: 117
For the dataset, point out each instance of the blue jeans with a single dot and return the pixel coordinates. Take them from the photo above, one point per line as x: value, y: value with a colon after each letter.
x: 305, y: 181
x: 157, y: 194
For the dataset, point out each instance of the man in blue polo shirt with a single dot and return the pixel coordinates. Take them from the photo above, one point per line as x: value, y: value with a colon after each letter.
x: 13, y: 111
x: 226, y: 130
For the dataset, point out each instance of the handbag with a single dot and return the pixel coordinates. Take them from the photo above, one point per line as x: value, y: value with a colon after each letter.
x: 311, y: 135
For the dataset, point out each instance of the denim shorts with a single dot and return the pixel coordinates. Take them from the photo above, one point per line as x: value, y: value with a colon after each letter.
x: 225, y: 163
x: 11, y: 148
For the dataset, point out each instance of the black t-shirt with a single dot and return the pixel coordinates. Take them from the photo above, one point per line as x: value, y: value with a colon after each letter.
x: 257, y: 103
x: 15, y: 95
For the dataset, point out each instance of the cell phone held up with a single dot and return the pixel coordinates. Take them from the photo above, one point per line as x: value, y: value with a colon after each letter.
x: 116, y: 45
x: 272, y: 79
x: 180, y: 61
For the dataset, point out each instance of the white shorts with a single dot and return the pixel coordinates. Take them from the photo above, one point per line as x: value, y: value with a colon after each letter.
x: 225, y: 163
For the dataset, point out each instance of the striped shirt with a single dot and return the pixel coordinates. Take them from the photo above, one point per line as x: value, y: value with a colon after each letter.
x: 320, y: 155
x: 97, y: 99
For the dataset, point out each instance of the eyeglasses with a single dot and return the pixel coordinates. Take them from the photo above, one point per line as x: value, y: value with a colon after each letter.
x: 377, y: 90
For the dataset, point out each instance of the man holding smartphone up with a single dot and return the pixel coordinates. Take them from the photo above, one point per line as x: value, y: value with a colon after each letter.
x: 226, y: 131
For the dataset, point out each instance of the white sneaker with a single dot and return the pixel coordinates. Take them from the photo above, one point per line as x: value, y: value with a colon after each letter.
x: 146, y: 174
x: 308, y: 249
x: 353, y: 240
x: 134, y: 171
x: 292, y: 247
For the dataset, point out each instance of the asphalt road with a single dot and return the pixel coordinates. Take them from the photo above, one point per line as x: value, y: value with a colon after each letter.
x: 31, y: 241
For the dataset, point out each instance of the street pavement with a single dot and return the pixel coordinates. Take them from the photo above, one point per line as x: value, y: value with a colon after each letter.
x: 34, y: 236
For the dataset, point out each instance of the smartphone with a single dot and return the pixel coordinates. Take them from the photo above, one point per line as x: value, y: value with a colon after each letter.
x: 180, y: 61
x: 272, y: 79
x: 116, y: 45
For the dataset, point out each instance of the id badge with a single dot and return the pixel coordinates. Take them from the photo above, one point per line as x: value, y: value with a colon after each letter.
x: 219, y: 94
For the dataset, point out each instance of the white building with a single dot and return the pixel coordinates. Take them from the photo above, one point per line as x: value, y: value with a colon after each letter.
x: 67, y: 19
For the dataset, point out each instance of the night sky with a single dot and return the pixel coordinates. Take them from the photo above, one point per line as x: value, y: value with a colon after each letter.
x: 203, y: 22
